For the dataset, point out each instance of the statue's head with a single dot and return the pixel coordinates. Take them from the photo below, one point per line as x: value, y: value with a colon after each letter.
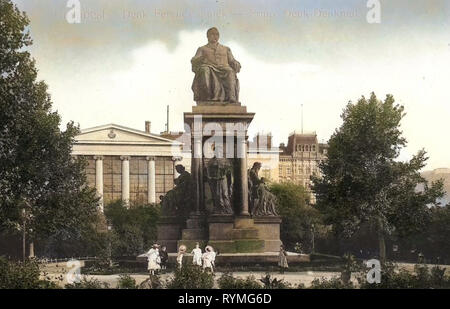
x: 257, y: 166
x: 180, y: 168
x: 213, y: 35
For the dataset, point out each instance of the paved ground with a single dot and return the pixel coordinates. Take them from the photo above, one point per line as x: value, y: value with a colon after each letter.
x: 294, y: 278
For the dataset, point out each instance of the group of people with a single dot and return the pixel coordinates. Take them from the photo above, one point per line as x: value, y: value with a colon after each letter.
x: 157, y: 259
x: 202, y: 259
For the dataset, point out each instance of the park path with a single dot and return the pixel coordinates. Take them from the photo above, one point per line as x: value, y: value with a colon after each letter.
x: 294, y: 278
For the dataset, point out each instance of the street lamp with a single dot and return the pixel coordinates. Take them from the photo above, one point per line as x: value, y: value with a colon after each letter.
x: 109, y: 227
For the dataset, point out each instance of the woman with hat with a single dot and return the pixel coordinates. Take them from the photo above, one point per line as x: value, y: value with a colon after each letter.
x: 153, y: 259
x: 209, y: 258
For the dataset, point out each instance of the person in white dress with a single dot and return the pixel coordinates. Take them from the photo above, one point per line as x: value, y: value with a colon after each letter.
x: 197, y: 255
x: 153, y: 258
x: 181, y: 252
x: 209, y: 258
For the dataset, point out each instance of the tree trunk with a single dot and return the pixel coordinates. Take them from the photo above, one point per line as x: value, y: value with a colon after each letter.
x: 24, y: 246
x: 381, y: 242
x: 31, y: 253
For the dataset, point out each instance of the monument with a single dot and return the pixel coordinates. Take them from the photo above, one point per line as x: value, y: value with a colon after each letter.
x: 221, y: 203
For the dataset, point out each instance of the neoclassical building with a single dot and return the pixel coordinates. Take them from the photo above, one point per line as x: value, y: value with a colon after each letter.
x: 132, y: 165
x: 300, y: 159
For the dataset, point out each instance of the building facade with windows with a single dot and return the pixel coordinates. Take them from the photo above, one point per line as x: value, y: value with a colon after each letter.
x: 132, y: 165
x: 300, y: 159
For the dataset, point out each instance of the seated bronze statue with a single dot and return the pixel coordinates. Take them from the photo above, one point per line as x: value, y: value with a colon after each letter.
x: 179, y: 200
x: 215, y: 72
x: 262, y: 202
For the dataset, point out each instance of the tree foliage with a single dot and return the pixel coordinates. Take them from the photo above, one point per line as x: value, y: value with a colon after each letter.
x: 364, y: 182
x: 296, y: 214
x: 133, y: 229
x: 40, y: 182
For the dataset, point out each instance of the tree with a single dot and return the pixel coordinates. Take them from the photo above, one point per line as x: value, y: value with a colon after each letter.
x: 298, y: 217
x: 134, y: 229
x: 42, y: 187
x: 363, y: 182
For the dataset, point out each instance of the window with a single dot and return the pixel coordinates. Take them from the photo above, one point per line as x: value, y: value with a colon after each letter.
x: 90, y: 171
x: 112, y: 179
x: 164, y: 175
x: 138, y: 180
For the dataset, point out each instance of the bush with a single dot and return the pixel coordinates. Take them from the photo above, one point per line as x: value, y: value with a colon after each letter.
x: 22, y: 276
x: 422, y: 278
x: 274, y: 283
x: 227, y: 281
x: 333, y: 283
x: 126, y: 282
x: 86, y: 283
x: 191, y: 277
x: 153, y: 282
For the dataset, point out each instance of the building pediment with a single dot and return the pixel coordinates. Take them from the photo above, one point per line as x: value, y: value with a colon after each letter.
x: 116, y: 134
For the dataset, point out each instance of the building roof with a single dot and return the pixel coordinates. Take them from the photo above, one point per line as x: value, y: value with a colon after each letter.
x: 120, y: 134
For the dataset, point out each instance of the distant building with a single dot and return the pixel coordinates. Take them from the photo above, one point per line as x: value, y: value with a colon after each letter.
x: 185, y: 140
x: 300, y: 159
x: 123, y: 163
x: 260, y: 150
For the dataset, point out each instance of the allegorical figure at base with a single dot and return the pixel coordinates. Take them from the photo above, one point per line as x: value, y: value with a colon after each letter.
x: 218, y: 176
x: 178, y: 201
x: 262, y: 202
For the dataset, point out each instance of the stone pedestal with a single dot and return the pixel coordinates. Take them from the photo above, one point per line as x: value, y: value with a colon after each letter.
x: 229, y: 234
x: 222, y: 128
x: 269, y: 230
x: 194, y: 232
x: 226, y: 124
x: 169, y: 232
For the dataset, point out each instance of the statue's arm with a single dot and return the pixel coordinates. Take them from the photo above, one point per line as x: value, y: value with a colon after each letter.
x: 234, y: 64
x: 197, y: 60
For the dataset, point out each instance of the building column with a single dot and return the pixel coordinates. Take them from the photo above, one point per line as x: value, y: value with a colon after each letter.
x: 151, y: 180
x: 197, y: 171
x: 125, y: 180
x: 242, y: 157
x: 99, y: 179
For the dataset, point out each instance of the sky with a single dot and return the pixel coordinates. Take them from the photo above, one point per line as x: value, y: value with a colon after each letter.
x: 128, y: 59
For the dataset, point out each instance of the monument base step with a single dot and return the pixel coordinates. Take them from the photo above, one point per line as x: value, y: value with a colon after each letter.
x: 193, y: 234
x: 238, y: 245
x: 244, y: 233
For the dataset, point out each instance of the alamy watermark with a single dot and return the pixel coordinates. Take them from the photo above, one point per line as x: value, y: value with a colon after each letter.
x: 374, y: 274
x: 74, y: 273
x: 374, y: 14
